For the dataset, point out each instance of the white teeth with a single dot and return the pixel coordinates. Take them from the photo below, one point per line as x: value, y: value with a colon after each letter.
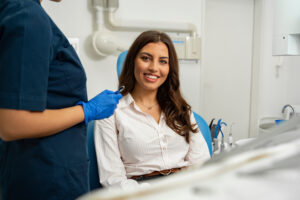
x: 152, y: 77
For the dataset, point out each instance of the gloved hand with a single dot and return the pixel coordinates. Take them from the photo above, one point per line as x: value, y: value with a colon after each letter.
x: 101, y: 106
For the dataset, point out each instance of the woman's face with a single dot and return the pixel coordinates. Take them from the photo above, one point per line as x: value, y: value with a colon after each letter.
x: 151, y: 66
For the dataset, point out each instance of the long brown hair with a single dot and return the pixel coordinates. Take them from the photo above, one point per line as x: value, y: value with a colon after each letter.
x: 169, y: 97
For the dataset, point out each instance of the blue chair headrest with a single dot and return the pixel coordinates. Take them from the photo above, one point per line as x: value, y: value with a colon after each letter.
x: 120, y: 62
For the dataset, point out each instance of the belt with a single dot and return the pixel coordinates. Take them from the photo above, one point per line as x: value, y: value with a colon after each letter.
x: 156, y: 173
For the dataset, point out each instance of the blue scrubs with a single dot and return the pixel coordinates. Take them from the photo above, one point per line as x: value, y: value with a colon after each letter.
x: 40, y: 70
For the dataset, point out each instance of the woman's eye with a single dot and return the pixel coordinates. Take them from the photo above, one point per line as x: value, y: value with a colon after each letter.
x: 164, y: 62
x: 145, y: 58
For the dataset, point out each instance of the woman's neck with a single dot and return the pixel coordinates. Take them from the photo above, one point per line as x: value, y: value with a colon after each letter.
x: 145, y: 97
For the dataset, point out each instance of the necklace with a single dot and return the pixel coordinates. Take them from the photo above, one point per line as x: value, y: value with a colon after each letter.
x: 148, y: 107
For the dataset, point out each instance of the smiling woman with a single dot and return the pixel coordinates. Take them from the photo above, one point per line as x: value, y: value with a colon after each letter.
x: 152, y: 132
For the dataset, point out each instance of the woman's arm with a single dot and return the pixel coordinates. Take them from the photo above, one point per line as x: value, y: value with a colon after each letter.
x: 110, y: 166
x: 198, y: 150
x: 21, y: 124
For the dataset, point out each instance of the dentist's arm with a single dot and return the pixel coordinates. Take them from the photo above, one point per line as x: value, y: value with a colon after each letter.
x: 21, y: 124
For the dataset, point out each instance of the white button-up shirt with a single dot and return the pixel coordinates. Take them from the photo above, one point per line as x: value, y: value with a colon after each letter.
x: 131, y: 143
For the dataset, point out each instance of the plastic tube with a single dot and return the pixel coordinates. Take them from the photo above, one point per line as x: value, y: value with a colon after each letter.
x: 142, y: 25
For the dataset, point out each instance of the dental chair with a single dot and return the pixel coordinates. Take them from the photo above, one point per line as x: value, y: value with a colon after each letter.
x: 93, y: 170
x: 93, y: 173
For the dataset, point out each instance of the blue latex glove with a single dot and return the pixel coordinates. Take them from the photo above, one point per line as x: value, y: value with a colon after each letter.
x: 101, y: 106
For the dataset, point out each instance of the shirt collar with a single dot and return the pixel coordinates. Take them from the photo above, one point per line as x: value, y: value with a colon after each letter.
x: 126, y: 101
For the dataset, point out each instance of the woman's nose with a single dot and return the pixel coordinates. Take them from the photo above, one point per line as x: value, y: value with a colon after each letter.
x: 153, y: 66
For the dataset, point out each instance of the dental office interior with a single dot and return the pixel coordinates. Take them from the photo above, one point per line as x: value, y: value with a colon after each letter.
x: 239, y: 64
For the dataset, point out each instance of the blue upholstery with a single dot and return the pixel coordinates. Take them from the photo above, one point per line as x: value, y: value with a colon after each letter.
x: 120, y: 62
x: 204, y: 130
x: 93, y: 173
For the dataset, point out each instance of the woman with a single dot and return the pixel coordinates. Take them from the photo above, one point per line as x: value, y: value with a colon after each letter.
x: 43, y: 98
x: 152, y: 131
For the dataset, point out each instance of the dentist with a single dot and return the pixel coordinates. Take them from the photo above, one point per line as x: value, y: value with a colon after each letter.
x: 43, y: 107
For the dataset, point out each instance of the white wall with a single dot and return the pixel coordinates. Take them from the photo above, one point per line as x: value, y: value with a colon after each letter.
x: 227, y: 62
x: 286, y: 20
x: 240, y: 80
x: 278, y: 76
x: 292, y: 80
x: 76, y: 18
x: 272, y: 87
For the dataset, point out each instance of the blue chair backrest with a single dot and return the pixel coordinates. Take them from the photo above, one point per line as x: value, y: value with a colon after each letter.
x: 200, y: 121
x: 93, y: 173
x: 203, y: 126
x: 120, y: 62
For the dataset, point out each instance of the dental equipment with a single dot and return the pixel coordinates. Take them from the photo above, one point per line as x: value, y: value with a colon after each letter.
x: 230, y: 138
x: 215, y: 140
x: 120, y: 89
x: 286, y: 112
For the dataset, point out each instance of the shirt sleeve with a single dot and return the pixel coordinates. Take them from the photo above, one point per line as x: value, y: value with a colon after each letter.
x: 25, y: 48
x: 110, y: 166
x: 198, y: 149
